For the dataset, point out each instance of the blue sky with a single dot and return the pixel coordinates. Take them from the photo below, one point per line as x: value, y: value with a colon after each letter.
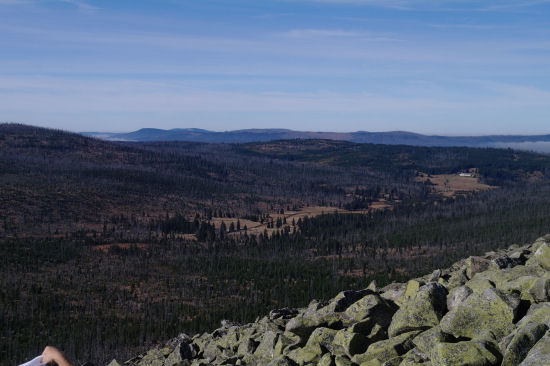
x: 429, y: 66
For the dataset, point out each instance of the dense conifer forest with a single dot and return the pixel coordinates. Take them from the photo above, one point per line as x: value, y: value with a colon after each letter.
x: 109, y: 247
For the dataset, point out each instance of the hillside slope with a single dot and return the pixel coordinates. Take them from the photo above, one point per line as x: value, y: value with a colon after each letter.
x: 143, y: 241
x: 58, y: 182
x: 487, y: 310
x: 528, y: 142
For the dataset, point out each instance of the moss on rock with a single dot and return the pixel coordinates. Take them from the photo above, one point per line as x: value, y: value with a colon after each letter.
x: 489, y: 311
x: 422, y: 311
x: 385, y: 350
x: 468, y: 353
x: 539, y: 355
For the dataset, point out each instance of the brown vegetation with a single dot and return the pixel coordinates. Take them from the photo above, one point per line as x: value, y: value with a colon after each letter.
x: 451, y: 185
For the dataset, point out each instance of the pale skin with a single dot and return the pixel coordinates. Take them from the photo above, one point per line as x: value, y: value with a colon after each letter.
x: 53, y: 355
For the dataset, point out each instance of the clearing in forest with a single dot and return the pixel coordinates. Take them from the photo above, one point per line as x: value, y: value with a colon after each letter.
x: 451, y: 185
x: 255, y: 227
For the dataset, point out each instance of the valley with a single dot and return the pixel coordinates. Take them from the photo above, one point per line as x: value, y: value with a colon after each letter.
x: 128, y: 244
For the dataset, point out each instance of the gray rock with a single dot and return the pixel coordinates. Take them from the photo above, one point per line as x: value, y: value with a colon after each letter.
x: 422, y: 311
x: 284, y: 313
x: 539, y: 355
x: 507, y: 262
x: 467, y: 353
x: 542, y: 256
x: 490, y: 311
x: 475, y: 265
x: 388, y: 349
x: 457, y: 296
x: 528, y: 332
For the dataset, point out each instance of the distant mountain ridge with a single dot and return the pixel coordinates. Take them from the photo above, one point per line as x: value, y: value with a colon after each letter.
x: 525, y: 142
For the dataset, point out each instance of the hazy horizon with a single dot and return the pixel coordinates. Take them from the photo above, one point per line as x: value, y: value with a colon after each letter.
x: 314, y: 131
x: 432, y: 67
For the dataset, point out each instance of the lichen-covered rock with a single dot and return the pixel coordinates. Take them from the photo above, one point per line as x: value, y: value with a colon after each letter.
x: 342, y: 361
x: 410, y: 291
x: 502, y: 279
x: 457, y: 278
x: 457, y: 296
x: 539, y: 355
x: 396, y: 361
x: 373, y: 286
x: 475, y: 265
x: 422, y: 311
x: 266, y: 347
x: 434, y: 276
x: 154, y: 357
x: 540, y: 288
x: 393, y: 292
x: 490, y: 311
x: 286, y: 342
x: 370, y: 329
x: 426, y: 341
x: 528, y: 332
x: 487, y: 310
x: 321, y: 338
x: 542, y: 256
x: 385, y: 350
x: 281, y: 361
x: 114, y: 362
x: 415, y: 358
x: 467, y: 353
x: 507, y: 262
x: 200, y: 362
x: 371, y: 306
x: 479, y: 284
x: 180, y: 355
x: 344, y: 299
x: 246, y: 345
x: 284, y: 313
x: 522, y: 342
x: 315, y: 316
x: 212, y: 352
x: 326, y: 360
x: 523, y: 285
x: 346, y: 343
x: 304, y: 355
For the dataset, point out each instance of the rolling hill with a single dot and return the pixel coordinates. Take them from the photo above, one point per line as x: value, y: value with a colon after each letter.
x: 539, y: 143
x: 126, y: 244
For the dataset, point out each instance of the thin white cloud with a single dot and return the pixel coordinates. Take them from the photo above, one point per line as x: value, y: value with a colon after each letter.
x: 441, y: 5
x: 134, y: 38
x: 311, y: 33
x: 76, y: 95
x: 82, y: 5
x: 336, y: 33
x: 14, y: 2
x: 396, y: 4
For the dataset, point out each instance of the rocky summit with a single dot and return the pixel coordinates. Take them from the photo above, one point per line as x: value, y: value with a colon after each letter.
x: 487, y: 310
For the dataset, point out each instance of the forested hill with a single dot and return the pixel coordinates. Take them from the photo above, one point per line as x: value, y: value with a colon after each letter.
x: 535, y: 142
x: 48, y: 174
x: 496, y: 166
x: 142, y: 241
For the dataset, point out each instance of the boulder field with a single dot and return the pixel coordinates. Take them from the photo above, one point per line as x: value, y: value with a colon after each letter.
x: 484, y: 310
